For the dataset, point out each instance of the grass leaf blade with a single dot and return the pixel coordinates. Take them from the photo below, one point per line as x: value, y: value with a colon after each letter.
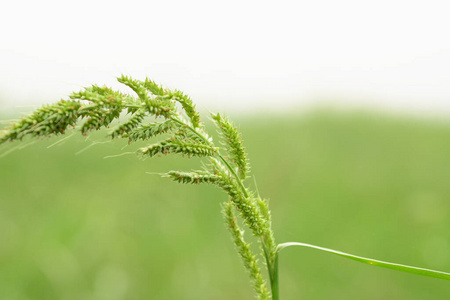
x: 373, y: 262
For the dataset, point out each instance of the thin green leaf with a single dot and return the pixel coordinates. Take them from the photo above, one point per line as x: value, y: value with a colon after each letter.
x: 373, y: 262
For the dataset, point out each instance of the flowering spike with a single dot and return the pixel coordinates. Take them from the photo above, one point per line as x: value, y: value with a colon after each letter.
x: 153, y: 88
x: 98, y: 106
x: 176, y: 146
x: 188, y: 106
x: 194, y: 177
x: 248, y: 258
x: 147, y: 131
x: 232, y: 138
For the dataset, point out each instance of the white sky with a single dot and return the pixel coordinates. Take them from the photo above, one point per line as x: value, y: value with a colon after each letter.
x: 233, y: 55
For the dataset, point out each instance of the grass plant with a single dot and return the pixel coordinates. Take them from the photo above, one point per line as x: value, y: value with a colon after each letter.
x: 169, y: 117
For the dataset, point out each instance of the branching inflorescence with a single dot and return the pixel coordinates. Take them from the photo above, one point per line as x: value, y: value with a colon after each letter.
x: 176, y: 118
x: 97, y: 107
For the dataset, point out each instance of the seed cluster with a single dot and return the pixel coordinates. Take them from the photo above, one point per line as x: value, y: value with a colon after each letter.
x: 144, y: 132
x: 190, y: 148
x: 49, y: 120
x: 96, y: 107
x: 231, y: 138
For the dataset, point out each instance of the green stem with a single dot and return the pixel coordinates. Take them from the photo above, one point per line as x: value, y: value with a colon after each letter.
x: 270, y: 268
x: 275, y: 282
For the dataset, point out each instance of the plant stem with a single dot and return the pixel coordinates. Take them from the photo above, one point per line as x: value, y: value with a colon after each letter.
x: 270, y: 268
x: 274, y: 283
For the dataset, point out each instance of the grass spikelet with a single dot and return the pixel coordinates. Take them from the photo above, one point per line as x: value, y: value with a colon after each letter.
x: 233, y: 140
x: 153, y: 88
x: 268, y: 236
x: 95, y: 119
x: 171, y: 145
x: 248, y: 258
x: 157, y: 106
x: 136, y: 86
x: 188, y: 106
x: 101, y: 97
x: 127, y: 127
x: 194, y: 177
x: 245, y: 204
x: 46, y: 121
x: 147, y: 131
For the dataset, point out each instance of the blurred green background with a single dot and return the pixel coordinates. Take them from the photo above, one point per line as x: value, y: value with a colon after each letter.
x: 83, y: 227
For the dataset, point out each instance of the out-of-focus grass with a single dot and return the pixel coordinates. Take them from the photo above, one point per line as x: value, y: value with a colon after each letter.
x: 84, y: 227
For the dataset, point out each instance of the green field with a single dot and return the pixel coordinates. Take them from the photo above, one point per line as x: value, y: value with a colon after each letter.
x: 83, y: 227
